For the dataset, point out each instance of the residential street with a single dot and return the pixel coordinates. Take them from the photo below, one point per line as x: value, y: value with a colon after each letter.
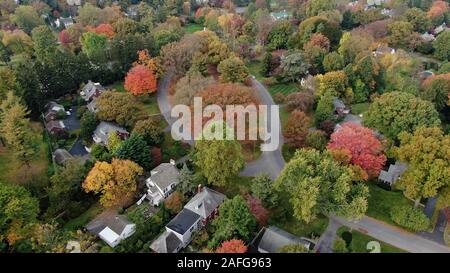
x: 393, y: 235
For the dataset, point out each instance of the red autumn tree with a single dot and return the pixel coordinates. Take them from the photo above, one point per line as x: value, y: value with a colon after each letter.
x: 319, y: 40
x: 438, y: 9
x: 105, y: 29
x: 140, y: 80
x: 258, y: 210
x: 232, y: 246
x: 365, y: 149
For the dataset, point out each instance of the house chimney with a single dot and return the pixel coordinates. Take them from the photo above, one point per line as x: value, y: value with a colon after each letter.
x: 199, y: 188
x: 172, y: 162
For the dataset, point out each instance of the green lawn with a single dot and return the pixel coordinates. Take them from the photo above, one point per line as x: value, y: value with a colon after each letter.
x: 360, y: 108
x: 238, y: 185
x: 302, y: 229
x: 381, y: 201
x: 191, y: 28
x: 118, y: 86
x: 150, y: 104
x: 255, y: 69
x: 285, y: 88
x: 360, y: 240
x: 84, y: 218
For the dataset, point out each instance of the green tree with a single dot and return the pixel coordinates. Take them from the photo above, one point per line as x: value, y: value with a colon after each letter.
x: 333, y: 61
x: 187, y: 181
x: 44, y: 43
x: 15, y: 129
x: 232, y: 70
x: 339, y: 246
x: 150, y: 130
x: 262, y: 188
x: 114, y: 142
x: 325, y: 108
x: 219, y: 160
x: 317, y: 184
x: 437, y: 93
x: 293, y: 67
x: 234, y: 221
x: 441, y: 48
x: 26, y: 18
x: 88, y: 123
x: 411, y: 218
x: 396, y: 112
x: 426, y: 152
x: 400, y: 34
x: 279, y: 35
x: 137, y: 150
x: 94, y: 45
x: 418, y: 18
x: 315, y: 7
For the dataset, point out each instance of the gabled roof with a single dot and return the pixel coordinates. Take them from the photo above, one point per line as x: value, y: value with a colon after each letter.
x: 90, y: 88
x: 115, y: 223
x: 164, y: 175
x: 61, y: 155
x: 205, y: 202
x: 167, y: 242
x: 183, y: 221
x: 337, y: 103
x: 271, y: 239
x: 104, y: 128
x: 55, y: 124
x: 394, y: 172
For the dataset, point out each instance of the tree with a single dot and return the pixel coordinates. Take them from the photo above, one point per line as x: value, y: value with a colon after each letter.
x: 325, y: 108
x: 114, y: 142
x: 219, y: 160
x: 18, y: 42
x: 26, y: 18
x: 411, y: 218
x: 437, y: 93
x: 302, y: 101
x: 418, y: 18
x: 315, y: 7
x: 18, y: 207
x: 339, y: 246
x: 317, y: 140
x: 189, y: 86
x: 150, y: 131
x: 174, y: 202
x: 365, y: 149
x: 119, y: 107
x: 399, y: 34
x: 94, y: 45
x: 44, y: 43
x: 15, y: 128
x: 114, y: 181
x: 335, y: 83
x: 293, y: 248
x: 426, y: 153
x: 437, y: 12
x: 234, y: 221
x: 278, y: 36
x: 262, y: 188
x: 232, y: 70
x: 228, y: 94
x: 88, y: 123
x: 137, y: 150
x: 177, y: 57
x: 258, y: 210
x: 316, y: 24
x: 395, y: 112
x: 441, y: 48
x: 297, y: 128
x: 232, y: 246
x: 186, y: 180
x: 353, y: 44
x: 140, y: 80
x: 264, y: 24
x: 103, y: 29
x: 332, y: 62
x: 316, y: 184
x: 293, y: 67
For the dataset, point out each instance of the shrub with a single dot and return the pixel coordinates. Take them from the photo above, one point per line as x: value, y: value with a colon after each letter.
x: 410, y: 218
x: 317, y: 140
x: 339, y: 246
x: 279, y: 98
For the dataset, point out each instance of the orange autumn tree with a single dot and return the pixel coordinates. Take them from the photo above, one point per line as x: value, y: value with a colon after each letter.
x: 438, y: 9
x: 153, y: 64
x: 105, y: 29
x: 232, y: 246
x: 140, y: 80
x: 113, y: 181
x: 358, y: 142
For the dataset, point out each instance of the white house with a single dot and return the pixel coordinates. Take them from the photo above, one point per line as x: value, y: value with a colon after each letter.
x: 91, y: 90
x: 113, y: 229
x: 195, y: 214
x: 162, y: 182
x: 104, y: 129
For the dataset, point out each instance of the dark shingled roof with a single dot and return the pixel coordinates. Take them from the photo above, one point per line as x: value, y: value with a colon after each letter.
x: 183, y: 221
x: 168, y: 242
x: 271, y: 239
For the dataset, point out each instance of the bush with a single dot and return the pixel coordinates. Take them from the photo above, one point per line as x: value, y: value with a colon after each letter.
x: 410, y: 218
x: 317, y: 140
x: 347, y: 237
x: 339, y: 246
x: 279, y: 98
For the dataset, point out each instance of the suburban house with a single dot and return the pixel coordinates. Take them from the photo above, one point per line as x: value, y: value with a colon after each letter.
x: 340, y: 109
x: 53, y: 109
x: 92, y: 106
x: 65, y: 22
x: 280, y: 15
x: 104, y: 129
x: 162, y: 182
x: 91, y: 90
x: 393, y: 174
x: 271, y: 239
x: 113, y: 229
x: 382, y: 50
x: 195, y: 214
x: 61, y: 155
x: 56, y: 127
x: 428, y: 37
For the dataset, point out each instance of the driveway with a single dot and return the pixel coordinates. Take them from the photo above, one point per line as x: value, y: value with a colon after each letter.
x: 78, y: 149
x: 393, y: 235
x: 325, y: 243
x: 72, y: 122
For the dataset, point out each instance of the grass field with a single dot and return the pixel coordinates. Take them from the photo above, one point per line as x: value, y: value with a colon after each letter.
x: 84, y: 218
x: 237, y: 185
x: 13, y: 171
x: 359, y: 242
x: 381, y: 201
x: 255, y: 69
x: 118, y: 86
x: 191, y: 28
x: 150, y: 104
x: 284, y: 88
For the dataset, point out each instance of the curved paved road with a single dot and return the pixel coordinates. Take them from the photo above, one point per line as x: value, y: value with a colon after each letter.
x: 270, y: 162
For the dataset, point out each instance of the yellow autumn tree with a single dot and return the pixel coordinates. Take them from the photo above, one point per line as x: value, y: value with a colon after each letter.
x: 114, y: 181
